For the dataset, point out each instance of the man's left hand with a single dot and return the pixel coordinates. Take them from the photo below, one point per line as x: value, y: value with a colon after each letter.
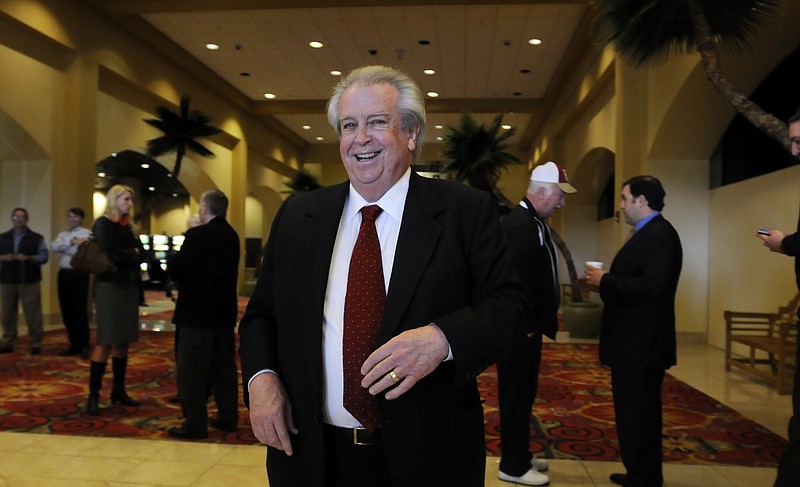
x: 411, y: 355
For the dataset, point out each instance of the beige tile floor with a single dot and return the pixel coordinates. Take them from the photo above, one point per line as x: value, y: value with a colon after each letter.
x: 36, y: 460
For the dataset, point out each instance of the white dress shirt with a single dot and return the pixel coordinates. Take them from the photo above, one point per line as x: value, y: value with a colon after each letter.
x: 388, y: 227
x: 63, y: 244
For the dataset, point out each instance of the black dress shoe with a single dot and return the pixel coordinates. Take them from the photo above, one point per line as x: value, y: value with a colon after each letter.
x: 183, y: 434
x: 223, y: 425
x: 6, y: 349
x: 618, y: 478
x: 122, y: 397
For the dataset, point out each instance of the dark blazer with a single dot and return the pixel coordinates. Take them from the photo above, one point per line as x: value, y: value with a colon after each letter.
x: 532, y: 262
x: 450, y: 268
x: 206, y: 271
x: 638, y: 323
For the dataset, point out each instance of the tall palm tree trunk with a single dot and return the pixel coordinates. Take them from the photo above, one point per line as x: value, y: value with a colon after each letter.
x: 708, y: 48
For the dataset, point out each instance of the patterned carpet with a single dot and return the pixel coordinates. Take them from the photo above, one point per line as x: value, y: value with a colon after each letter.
x: 574, y: 414
x: 574, y: 417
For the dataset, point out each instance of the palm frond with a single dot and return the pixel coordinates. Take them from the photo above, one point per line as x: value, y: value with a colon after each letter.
x: 180, y: 131
x: 650, y: 31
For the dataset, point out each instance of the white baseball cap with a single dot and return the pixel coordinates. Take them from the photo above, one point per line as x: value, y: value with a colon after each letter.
x: 551, y: 172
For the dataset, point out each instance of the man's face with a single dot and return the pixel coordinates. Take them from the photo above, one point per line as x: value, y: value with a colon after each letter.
x: 547, y: 204
x: 374, y: 149
x: 73, y: 220
x: 632, y: 208
x: 794, y: 138
x: 19, y: 220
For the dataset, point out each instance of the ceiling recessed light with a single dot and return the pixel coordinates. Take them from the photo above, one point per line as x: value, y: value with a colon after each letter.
x: 212, y: 47
x: 244, y: 73
x: 524, y: 71
x: 438, y: 127
x: 315, y: 44
x: 423, y: 42
x: 439, y: 137
x: 517, y: 93
x: 429, y: 71
x: 319, y: 137
x: 145, y: 165
x: 101, y: 174
x: 336, y: 72
x: 433, y: 94
x: 534, y: 41
x: 269, y: 96
x: 306, y: 127
x: 506, y: 126
x: 151, y: 188
x: 113, y: 154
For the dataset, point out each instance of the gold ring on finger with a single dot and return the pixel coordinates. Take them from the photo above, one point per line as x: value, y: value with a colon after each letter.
x: 394, y: 377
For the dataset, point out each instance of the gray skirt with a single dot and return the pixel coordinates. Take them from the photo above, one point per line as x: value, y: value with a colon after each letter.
x: 117, y: 307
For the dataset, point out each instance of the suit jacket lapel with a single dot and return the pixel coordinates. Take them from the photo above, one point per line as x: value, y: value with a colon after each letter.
x: 419, y: 235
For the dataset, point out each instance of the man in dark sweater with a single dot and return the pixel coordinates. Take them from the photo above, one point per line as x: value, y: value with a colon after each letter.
x: 22, y: 253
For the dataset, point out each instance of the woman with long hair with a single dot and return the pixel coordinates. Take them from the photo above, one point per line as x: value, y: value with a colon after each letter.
x: 116, y: 298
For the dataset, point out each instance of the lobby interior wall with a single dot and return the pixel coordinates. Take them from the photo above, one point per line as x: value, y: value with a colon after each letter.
x: 743, y: 274
x: 65, y: 78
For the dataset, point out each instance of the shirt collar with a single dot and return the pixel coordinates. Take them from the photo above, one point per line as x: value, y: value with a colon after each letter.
x: 392, y: 202
x: 646, y: 219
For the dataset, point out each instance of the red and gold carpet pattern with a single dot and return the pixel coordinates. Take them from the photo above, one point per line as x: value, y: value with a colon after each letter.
x: 574, y: 417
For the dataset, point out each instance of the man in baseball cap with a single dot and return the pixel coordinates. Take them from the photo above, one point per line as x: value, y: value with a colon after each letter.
x: 531, y: 248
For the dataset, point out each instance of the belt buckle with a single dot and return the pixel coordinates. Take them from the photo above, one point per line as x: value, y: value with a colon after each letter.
x: 355, y: 437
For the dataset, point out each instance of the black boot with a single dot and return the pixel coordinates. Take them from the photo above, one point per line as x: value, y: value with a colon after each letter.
x: 96, y: 371
x: 118, y: 394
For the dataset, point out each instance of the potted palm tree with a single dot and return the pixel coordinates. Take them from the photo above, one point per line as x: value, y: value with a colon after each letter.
x: 478, y: 153
x: 180, y: 133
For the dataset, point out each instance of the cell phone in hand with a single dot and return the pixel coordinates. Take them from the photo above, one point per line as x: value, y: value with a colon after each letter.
x: 763, y: 231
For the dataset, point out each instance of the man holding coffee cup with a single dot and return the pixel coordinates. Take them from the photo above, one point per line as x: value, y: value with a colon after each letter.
x: 637, y: 331
x: 534, y: 256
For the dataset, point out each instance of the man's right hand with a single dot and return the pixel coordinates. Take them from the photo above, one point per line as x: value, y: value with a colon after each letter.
x: 271, y: 412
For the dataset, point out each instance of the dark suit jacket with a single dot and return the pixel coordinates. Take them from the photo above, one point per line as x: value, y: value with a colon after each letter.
x: 450, y: 268
x: 206, y: 271
x: 532, y: 262
x: 638, y: 325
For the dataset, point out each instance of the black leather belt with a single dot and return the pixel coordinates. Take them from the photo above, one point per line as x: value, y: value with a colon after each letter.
x: 353, y: 436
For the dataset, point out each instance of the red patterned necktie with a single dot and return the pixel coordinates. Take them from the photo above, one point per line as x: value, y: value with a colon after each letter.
x: 363, y: 312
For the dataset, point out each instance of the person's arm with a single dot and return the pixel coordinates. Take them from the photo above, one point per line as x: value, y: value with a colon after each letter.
x: 62, y: 242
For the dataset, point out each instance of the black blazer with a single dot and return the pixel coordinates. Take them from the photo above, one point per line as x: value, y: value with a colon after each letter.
x: 450, y: 268
x: 206, y: 271
x: 532, y: 262
x: 638, y: 324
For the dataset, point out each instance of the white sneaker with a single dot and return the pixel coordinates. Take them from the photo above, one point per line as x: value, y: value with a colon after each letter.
x: 539, y: 464
x: 531, y: 477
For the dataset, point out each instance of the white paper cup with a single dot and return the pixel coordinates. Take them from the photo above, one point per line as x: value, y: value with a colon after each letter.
x: 599, y: 265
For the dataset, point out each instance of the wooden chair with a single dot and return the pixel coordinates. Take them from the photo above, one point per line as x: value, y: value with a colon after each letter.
x: 769, y: 339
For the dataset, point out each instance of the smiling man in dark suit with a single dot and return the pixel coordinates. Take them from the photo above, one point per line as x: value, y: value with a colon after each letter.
x: 205, y: 272
x: 451, y: 308
x: 637, y: 333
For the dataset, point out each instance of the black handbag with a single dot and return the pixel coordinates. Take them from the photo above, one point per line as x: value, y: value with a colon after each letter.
x: 92, y: 259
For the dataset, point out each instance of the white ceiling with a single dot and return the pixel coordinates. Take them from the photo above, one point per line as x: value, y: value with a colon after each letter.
x: 479, y: 51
